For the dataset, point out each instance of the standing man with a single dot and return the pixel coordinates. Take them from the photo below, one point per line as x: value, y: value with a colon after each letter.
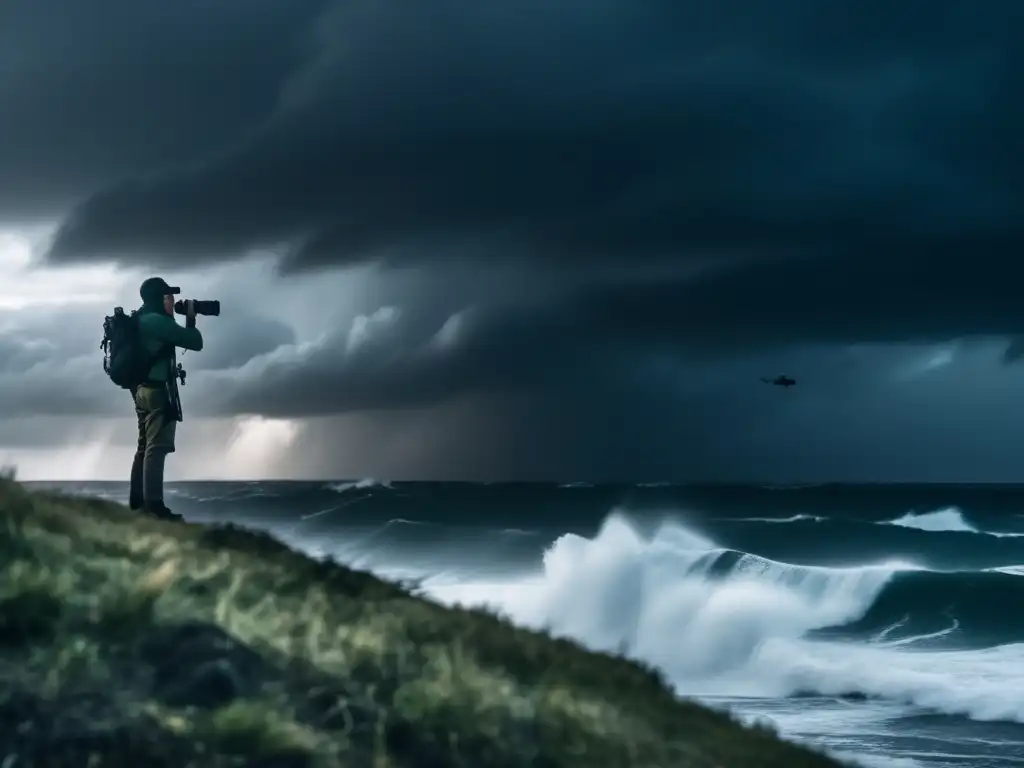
x: 156, y: 399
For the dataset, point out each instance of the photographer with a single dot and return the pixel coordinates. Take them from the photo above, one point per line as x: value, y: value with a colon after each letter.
x: 157, y: 405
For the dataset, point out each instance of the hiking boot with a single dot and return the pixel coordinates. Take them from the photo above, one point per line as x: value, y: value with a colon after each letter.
x: 161, y: 512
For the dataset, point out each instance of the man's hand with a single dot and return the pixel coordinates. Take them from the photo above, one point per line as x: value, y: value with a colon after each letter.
x: 190, y: 313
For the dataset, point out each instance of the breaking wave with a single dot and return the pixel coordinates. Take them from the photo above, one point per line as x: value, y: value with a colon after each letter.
x: 722, y: 622
x: 358, y: 485
x: 949, y: 520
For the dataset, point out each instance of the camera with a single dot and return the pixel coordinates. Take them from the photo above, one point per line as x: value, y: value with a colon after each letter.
x: 208, y: 308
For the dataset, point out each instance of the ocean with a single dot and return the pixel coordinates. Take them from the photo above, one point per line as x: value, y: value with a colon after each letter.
x: 881, y: 622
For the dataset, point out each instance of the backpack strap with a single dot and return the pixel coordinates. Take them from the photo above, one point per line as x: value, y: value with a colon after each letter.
x: 166, y: 350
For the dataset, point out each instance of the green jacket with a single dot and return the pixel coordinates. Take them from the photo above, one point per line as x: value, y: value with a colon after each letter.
x: 158, y: 330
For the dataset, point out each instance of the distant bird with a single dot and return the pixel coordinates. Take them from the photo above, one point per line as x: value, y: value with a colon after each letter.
x: 780, y: 381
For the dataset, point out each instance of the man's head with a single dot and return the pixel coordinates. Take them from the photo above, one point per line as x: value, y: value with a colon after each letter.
x: 155, y: 292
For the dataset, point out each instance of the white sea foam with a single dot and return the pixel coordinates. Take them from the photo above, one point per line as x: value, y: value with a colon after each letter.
x: 358, y: 485
x: 742, y: 632
x: 950, y: 519
x: 1009, y: 570
x: 792, y: 519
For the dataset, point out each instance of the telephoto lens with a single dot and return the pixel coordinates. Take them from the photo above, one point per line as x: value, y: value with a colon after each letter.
x: 208, y: 308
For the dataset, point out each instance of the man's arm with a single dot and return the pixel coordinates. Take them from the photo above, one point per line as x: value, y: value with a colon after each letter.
x: 163, y: 328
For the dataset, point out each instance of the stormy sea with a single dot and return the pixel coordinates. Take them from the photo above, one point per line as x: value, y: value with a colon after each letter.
x: 880, y: 622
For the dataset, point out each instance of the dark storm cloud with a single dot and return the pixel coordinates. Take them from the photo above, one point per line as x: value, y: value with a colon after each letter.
x: 616, y: 342
x: 839, y: 172
x: 931, y: 295
x: 233, y: 340
x: 615, y: 130
x: 95, y: 91
x: 852, y: 157
x: 395, y: 359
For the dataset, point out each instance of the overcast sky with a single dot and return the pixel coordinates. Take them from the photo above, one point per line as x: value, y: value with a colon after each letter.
x: 522, y: 240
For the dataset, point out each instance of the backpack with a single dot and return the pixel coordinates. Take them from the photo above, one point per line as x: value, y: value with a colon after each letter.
x: 125, y: 359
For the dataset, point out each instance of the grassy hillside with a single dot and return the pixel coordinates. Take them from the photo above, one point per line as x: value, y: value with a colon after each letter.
x: 134, y: 642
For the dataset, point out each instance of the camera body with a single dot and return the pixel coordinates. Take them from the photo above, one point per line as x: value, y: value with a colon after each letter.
x: 208, y: 308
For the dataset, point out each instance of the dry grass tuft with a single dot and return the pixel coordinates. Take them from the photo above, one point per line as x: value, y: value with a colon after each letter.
x: 128, y: 641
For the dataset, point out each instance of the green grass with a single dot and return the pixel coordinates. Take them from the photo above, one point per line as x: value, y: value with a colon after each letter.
x: 133, y: 642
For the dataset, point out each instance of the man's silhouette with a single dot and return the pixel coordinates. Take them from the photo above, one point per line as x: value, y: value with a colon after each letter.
x: 156, y: 400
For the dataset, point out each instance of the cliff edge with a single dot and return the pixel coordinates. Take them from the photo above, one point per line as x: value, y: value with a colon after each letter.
x: 126, y: 641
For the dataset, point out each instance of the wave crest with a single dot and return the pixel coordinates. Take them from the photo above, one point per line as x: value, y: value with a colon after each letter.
x: 358, y: 485
x: 948, y: 520
x: 721, y: 622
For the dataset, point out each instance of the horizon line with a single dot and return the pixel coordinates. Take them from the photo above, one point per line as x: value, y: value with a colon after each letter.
x: 565, y: 483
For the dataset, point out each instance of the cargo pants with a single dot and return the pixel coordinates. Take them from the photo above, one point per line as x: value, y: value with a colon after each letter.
x: 157, y: 425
